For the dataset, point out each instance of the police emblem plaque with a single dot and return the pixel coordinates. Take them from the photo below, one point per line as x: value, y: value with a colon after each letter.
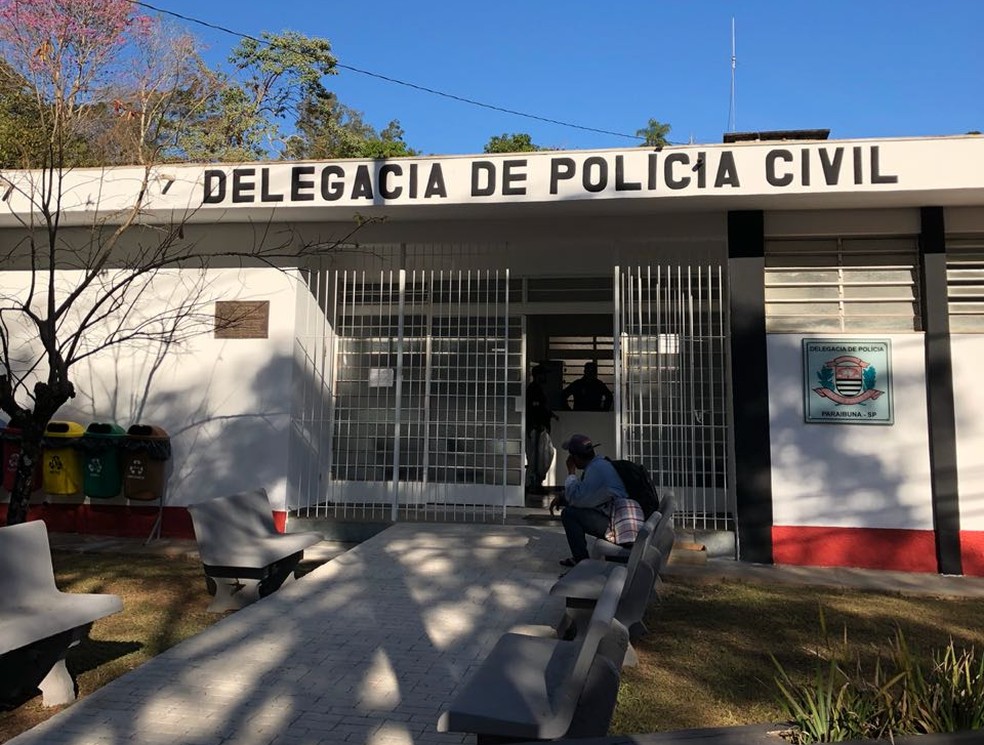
x: 847, y: 381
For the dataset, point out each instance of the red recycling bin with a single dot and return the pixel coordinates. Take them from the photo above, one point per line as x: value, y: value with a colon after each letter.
x: 11, y: 459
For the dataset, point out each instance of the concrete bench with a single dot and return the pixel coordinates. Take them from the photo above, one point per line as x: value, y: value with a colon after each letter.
x: 536, y: 688
x: 584, y: 583
x: 38, y: 622
x: 244, y: 556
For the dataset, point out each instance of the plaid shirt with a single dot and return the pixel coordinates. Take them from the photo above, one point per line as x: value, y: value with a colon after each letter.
x: 626, y: 520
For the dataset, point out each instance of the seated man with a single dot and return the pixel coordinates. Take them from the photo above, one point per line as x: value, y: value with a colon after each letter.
x: 586, y: 500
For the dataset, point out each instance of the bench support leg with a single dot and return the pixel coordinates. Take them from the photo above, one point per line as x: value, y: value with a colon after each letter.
x: 57, y: 688
x: 232, y: 593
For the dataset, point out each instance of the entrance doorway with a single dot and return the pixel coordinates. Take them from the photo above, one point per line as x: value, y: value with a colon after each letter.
x: 563, y: 344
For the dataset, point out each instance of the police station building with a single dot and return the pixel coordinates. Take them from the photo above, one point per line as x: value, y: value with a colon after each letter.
x: 792, y: 327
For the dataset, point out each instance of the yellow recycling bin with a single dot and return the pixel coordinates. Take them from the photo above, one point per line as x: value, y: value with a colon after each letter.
x: 61, y: 461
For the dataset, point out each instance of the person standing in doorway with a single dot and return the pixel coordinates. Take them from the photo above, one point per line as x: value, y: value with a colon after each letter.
x: 539, y: 447
x: 589, y: 392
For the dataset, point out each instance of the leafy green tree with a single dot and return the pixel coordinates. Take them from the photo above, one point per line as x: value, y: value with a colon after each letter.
x: 326, y: 128
x: 518, y: 142
x: 654, y: 134
x: 22, y: 140
x: 273, y: 82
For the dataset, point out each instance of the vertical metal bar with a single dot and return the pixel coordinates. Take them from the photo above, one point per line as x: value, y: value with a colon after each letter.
x: 700, y: 408
x: 647, y: 372
x: 692, y: 388
x: 346, y: 322
x: 661, y: 336
x: 617, y: 358
x: 428, y: 382
x: 398, y: 413
x: 680, y: 412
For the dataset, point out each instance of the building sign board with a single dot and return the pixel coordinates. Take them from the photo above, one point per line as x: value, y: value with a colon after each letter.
x: 568, y: 176
x: 847, y: 381
x: 213, y: 192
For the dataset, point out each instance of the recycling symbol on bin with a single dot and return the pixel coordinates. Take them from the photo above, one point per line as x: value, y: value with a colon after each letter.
x: 136, y: 469
x: 95, y: 467
x: 55, y: 464
x: 12, y: 462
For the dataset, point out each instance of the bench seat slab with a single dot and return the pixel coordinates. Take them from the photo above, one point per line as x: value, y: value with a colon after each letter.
x: 517, y: 692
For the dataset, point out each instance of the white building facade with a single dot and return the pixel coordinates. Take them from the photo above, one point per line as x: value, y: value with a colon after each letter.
x: 792, y: 331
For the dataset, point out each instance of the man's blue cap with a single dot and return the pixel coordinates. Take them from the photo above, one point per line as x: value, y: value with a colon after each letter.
x: 579, y: 445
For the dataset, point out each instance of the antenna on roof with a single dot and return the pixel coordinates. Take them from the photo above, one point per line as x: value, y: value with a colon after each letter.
x: 732, y: 111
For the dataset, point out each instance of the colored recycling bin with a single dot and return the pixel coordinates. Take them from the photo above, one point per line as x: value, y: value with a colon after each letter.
x: 146, y: 450
x: 11, y: 459
x: 61, y: 462
x: 102, y: 462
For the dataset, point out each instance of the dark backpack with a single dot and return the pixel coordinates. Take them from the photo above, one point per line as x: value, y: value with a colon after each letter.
x: 638, y: 484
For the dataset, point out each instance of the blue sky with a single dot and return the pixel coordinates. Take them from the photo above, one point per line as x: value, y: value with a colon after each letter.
x: 862, y: 68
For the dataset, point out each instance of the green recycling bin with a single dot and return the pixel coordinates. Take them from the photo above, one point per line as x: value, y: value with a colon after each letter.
x: 61, y: 464
x: 146, y: 450
x: 102, y: 466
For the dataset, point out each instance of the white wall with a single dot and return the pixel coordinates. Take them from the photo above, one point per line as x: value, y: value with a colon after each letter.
x: 864, y: 476
x: 224, y: 402
x: 968, y: 400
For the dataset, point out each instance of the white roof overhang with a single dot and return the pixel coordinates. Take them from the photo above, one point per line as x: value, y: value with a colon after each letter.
x: 822, y: 174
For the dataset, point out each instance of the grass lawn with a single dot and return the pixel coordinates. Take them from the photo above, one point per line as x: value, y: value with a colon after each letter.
x: 164, y: 601
x: 705, y: 663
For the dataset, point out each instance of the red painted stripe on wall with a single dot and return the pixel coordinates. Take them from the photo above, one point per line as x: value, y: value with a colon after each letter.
x: 972, y: 552
x: 118, y: 520
x: 866, y: 548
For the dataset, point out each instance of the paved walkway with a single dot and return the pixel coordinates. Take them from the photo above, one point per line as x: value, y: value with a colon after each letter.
x: 370, y: 647
x: 367, y: 648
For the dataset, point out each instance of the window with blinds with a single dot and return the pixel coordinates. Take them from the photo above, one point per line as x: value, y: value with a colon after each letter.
x: 965, y: 284
x: 842, y: 285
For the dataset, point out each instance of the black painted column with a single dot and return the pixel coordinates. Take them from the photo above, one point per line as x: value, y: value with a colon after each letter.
x: 750, y: 385
x: 939, y: 390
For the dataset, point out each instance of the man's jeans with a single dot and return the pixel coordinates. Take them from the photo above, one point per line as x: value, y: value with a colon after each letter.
x: 579, y: 522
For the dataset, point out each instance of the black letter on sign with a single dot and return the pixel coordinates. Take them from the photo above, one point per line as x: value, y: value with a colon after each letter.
x: 668, y: 177
x: 560, y: 168
x: 620, y: 183
x: 297, y: 184
x: 331, y: 191
x: 831, y: 168
x: 362, y: 188
x: 509, y: 178
x: 876, y: 176
x: 242, y: 189
x: 602, y: 165
x: 727, y: 174
x: 435, y: 184
x: 486, y: 168
x: 265, y: 195
x: 384, y: 188
x: 214, y: 187
x: 770, y: 167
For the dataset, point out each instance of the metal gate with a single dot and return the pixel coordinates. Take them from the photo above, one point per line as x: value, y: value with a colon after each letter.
x: 422, y: 370
x: 671, y: 386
